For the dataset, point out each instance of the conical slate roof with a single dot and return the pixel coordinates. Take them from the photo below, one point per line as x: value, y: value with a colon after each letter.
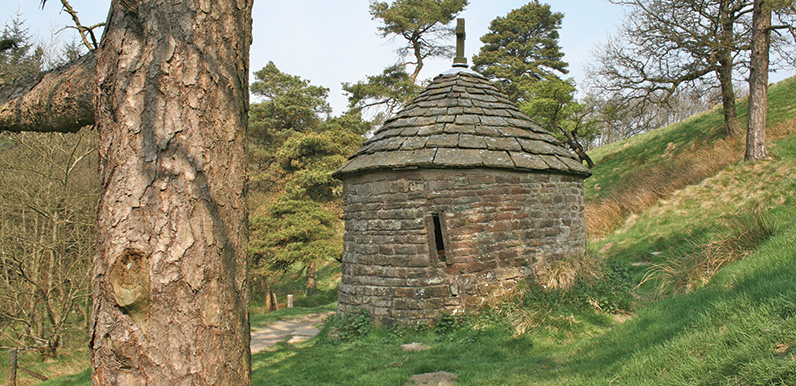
x: 462, y: 121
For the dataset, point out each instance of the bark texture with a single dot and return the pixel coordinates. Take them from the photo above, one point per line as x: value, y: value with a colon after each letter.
x: 758, y: 82
x: 61, y: 100
x: 170, y: 291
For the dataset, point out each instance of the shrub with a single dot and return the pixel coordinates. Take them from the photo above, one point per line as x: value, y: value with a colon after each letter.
x: 447, y: 323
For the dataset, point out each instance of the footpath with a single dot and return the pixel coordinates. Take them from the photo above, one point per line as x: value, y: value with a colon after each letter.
x: 291, y: 330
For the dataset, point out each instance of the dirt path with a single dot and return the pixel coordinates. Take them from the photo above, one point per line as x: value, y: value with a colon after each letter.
x: 292, y: 330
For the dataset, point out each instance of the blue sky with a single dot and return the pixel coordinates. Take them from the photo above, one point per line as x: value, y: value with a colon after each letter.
x: 334, y: 41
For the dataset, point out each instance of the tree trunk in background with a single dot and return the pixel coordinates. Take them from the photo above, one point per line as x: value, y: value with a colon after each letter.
x: 724, y: 72
x: 731, y: 124
x: 12, y: 367
x: 758, y: 82
x: 269, y: 300
x: 311, y: 279
x: 170, y: 292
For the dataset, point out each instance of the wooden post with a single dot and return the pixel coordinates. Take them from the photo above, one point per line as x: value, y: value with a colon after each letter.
x: 12, y: 367
x: 290, y: 301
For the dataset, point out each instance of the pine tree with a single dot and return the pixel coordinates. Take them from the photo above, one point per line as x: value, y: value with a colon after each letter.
x: 522, y: 48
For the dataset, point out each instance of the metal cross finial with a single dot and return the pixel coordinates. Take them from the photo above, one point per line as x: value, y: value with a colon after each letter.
x: 460, y: 60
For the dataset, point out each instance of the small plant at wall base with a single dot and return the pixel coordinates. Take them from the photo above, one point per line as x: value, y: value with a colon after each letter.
x: 352, y: 325
x: 447, y: 323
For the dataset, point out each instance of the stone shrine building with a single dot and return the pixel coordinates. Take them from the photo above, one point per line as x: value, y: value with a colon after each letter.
x: 456, y: 197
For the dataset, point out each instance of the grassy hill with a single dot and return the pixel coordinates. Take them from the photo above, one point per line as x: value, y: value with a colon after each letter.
x: 704, y: 243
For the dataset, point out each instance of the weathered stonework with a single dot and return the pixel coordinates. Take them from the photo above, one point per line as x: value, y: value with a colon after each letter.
x: 454, y: 199
x: 498, y: 224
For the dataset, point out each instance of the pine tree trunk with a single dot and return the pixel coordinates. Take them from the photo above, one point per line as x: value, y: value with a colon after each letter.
x: 311, y: 279
x: 269, y: 301
x: 170, y: 290
x: 758, y: 82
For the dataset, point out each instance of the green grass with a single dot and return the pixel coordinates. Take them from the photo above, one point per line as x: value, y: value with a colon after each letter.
x: 80, y: 379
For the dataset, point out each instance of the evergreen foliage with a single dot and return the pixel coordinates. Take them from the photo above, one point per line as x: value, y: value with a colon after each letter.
x: 22, y: 58
x: 296, y: 208
x: 423, y: 24
x: 391, y: 89
x: 522, y: 48
x: 522, y: 53
x: 288, y: 103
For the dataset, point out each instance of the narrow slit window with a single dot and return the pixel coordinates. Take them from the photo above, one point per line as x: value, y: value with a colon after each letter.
x: 439, y: 240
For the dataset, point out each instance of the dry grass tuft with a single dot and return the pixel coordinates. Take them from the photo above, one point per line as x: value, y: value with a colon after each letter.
x: 682, y: 273
x: 564, y: 273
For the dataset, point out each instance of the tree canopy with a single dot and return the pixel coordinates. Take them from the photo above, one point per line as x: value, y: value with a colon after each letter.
x: 423, y: 24
x: 669, y: 46
x: 522, y: 53
x: 295, y: 148
x: 522, y: 48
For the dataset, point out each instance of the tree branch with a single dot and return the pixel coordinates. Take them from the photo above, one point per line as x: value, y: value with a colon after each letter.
x: 61, y: 100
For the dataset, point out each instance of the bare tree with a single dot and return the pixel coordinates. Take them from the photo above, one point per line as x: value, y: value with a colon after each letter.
x: 168, y: 91
x: 620, y: 120
x: 48, y: 196
x: 670, y: 45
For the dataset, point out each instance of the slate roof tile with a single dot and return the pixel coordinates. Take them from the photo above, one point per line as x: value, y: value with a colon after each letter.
x: 462, y: 120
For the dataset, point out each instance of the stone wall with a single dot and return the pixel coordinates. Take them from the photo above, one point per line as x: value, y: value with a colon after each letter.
x: 493, y: 226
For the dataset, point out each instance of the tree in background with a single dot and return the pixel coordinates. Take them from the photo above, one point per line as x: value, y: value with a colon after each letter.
x: 422, y: 23
x: 389, y: 91
x: 424, y: 26
x: 618, y: 120
x: 522, y: 48
x: 48, y: 194
x: 521, y: 52
x: 295, y: 202
x: 758, y: 82
x: 551, y: 103
x: 666, y: 46
x: 20, y: 58
x: 759, y: 67
x: 48, y: 201
x: 287, y: 104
